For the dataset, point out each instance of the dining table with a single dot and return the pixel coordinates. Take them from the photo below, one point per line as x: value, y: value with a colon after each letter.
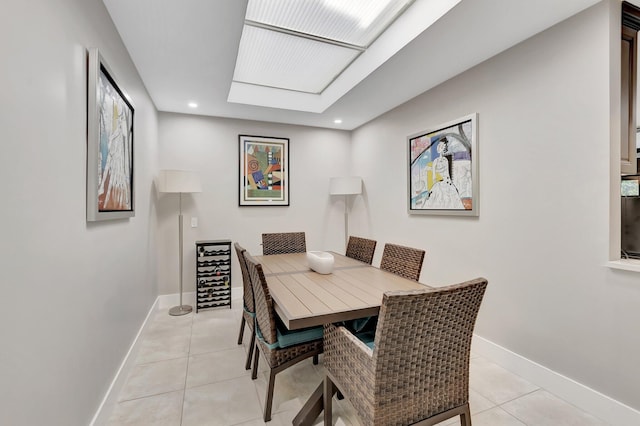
x: 305, y: 298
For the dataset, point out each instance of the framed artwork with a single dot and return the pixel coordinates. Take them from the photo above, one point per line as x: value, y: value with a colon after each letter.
x: 110, y: 191
x: 443, y: 169
x: 264, y: 171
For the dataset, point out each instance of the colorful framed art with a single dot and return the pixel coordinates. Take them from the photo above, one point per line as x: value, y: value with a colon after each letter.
x: 110, y: 191
x: 443, y: 169
x: 264, y: 171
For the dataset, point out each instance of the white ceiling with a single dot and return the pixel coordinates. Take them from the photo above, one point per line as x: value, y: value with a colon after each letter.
x: 186, y: 51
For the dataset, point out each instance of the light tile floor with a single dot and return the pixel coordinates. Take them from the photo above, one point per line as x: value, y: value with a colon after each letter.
x: 189, y: 371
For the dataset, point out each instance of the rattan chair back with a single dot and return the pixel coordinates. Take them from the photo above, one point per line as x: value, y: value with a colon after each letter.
x: 403, y: 261
x: 284, y: 242
x: 436, y: 327
x: 361, y: 249
x: 265, y: 316
x: 248, y: 311
x: 419, y: 366
x: 246, y: 281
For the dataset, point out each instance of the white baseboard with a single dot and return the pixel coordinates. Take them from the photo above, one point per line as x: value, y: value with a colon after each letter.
x: 110, y: 399
x: 583, y: 397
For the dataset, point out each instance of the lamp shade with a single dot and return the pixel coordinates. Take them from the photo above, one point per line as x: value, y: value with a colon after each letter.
x: 178, y: 181
x: 345, y: 185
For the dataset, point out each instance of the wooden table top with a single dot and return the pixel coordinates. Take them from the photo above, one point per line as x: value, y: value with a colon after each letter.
x: 292, y: 263
x: 304, y: 298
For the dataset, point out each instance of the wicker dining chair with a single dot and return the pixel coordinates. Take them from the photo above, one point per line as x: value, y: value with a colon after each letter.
x: 281, y: 348
x: 248, y: 309
x: 416, y: 369
x: 361, y: 249
x: 403, y: 261
x: 284, y: 242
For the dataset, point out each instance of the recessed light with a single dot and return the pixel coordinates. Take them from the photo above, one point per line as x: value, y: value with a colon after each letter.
x: 338, y: 121
x: 193, y: 105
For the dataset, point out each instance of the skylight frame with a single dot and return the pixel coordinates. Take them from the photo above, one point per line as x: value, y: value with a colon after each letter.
x: 331, y: 20
x: 415, y: 19
x: 287, y: 19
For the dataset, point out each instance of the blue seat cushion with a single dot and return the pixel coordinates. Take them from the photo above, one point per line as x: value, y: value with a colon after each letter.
x: 362, y: 324
x: 358, y: 325
x: 364, y: 329
x: 367, y: 337
x: 288, y: 338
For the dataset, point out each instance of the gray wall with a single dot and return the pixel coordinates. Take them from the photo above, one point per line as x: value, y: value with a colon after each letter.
x: 210, y: 146
x: 542, y: 236
x: 74, y: 294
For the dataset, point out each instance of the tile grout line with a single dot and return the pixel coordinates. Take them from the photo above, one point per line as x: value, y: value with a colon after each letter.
x: 518, y: 397
x: 147, y: 396
x: 499, y: 405
x: 184, y: 389
x: 513, y: 399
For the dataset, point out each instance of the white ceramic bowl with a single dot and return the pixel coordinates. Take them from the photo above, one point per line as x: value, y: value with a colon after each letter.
x: 320, y: 261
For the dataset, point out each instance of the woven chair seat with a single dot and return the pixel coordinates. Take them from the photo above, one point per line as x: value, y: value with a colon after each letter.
x: 280, y: 356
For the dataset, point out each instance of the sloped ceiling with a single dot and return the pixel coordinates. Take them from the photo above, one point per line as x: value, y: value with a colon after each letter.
x: 186, y: 51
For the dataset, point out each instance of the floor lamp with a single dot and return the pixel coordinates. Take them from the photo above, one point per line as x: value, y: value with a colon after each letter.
x: 181, y: 182
x: 345, y: 186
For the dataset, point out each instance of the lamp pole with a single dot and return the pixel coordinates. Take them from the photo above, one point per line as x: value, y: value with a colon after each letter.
x: 346, y: 222
x: 345, y: 186
x: 179, y: 182
x: 180, y: 309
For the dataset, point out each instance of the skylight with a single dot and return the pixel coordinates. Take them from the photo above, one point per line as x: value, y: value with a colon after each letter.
x: 356, y: 22
x: 285, y: 61
x: 295, y: 54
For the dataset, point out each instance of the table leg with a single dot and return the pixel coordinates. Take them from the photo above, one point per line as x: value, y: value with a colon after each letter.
x: 312, y: 408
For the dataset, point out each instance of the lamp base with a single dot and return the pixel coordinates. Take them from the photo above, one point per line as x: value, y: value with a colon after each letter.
x: 180, y: 310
